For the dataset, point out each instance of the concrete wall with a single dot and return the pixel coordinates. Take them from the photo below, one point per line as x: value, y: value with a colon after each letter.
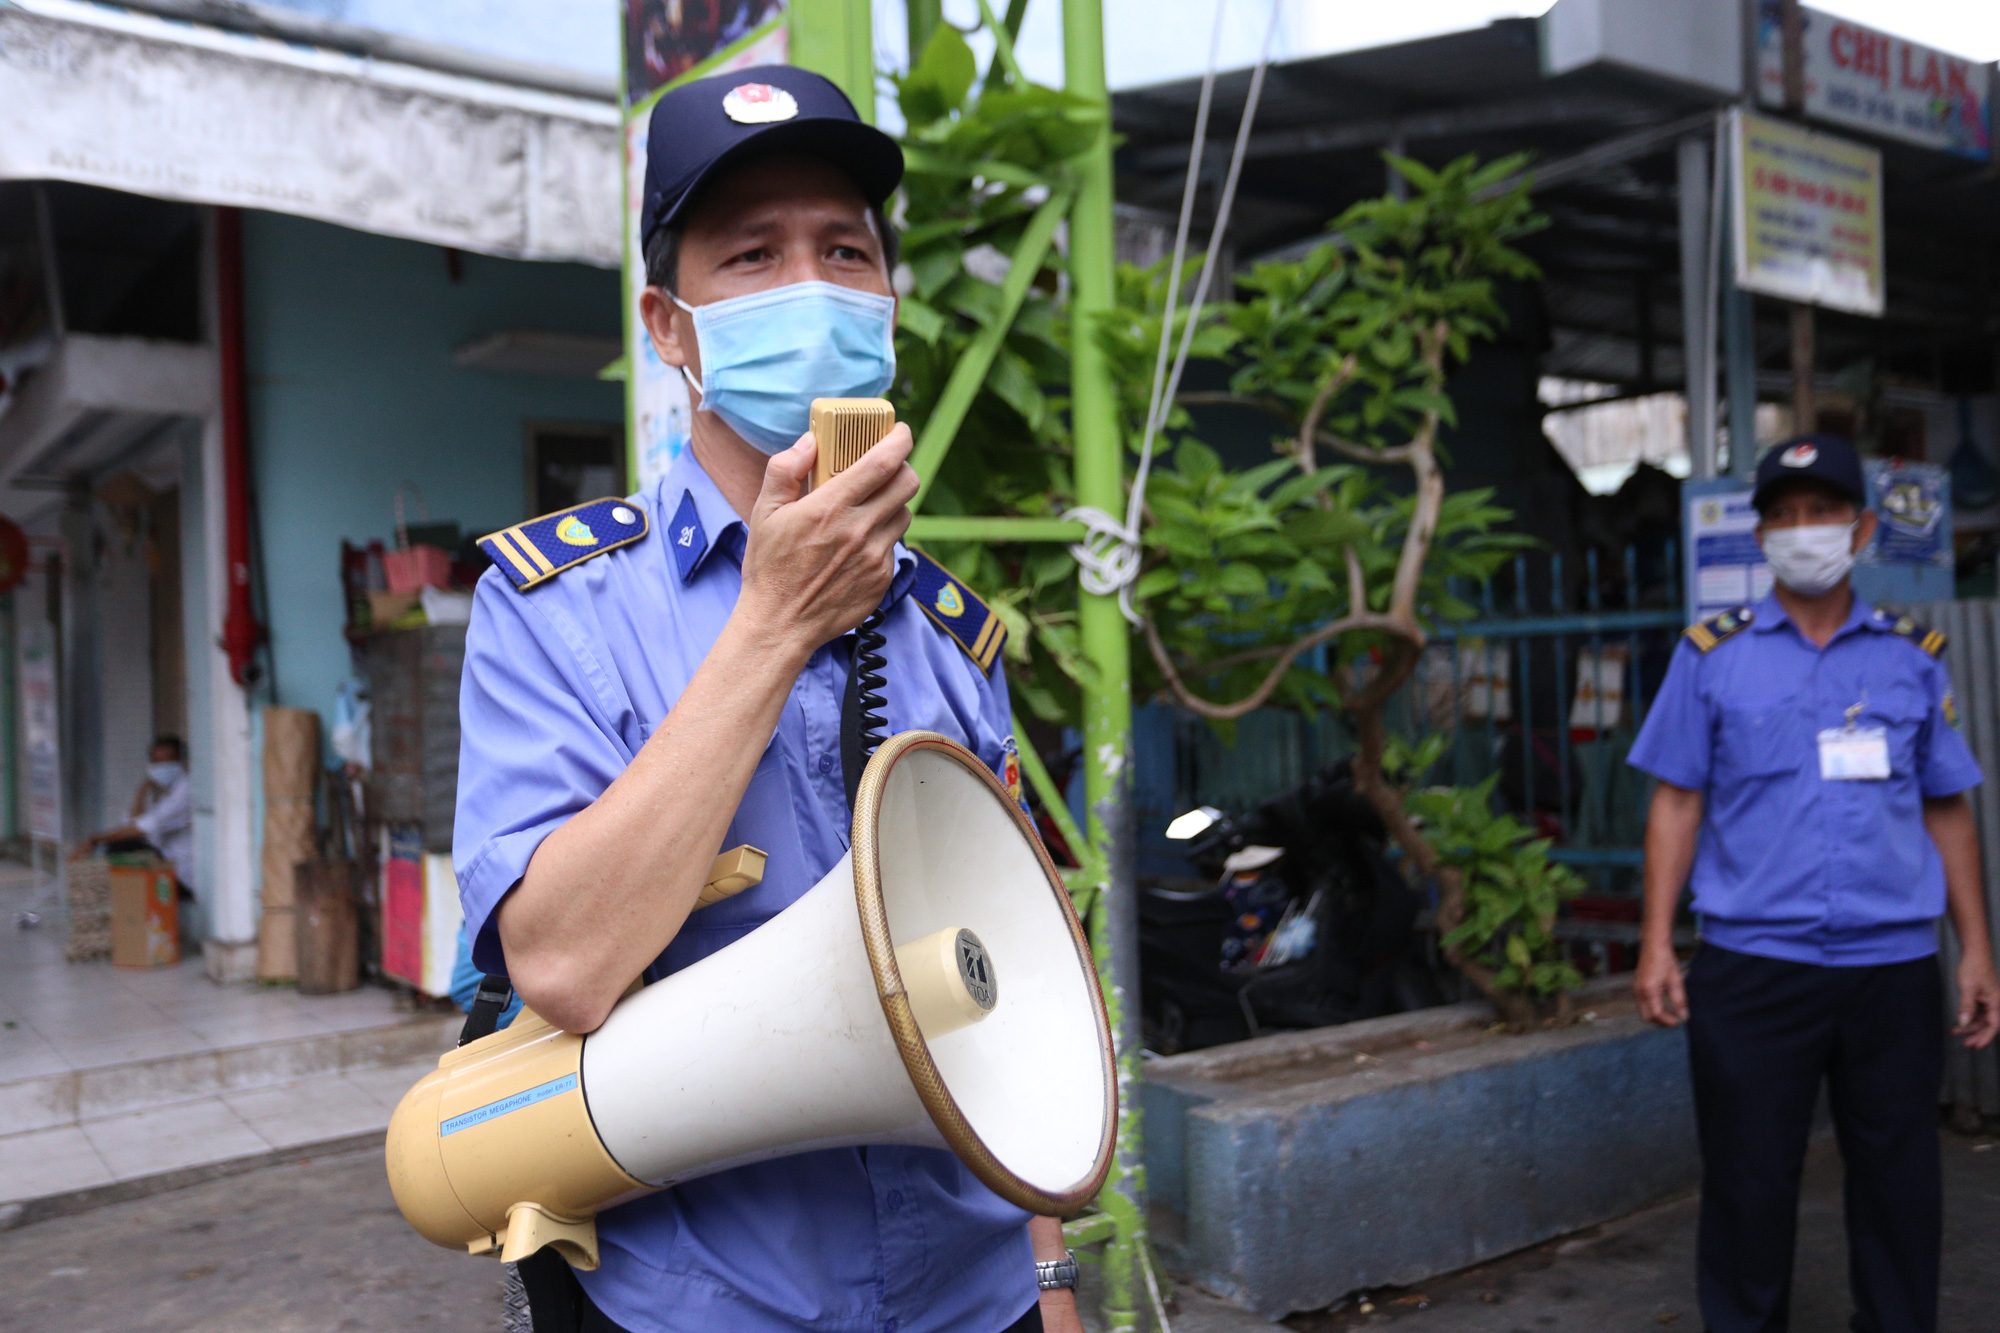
x: 353, y: 390
x: 1291, y: 1170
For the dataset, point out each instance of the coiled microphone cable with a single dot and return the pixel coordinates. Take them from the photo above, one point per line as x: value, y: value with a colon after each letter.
x: 845, y: 429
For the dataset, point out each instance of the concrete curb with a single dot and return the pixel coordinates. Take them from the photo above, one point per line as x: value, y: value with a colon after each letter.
x: 68, y: 1203
x: 74, y: 1096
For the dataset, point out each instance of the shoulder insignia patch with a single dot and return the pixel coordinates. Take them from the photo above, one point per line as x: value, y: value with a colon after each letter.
x: 1932, y: 641
x: 1705, y: 634
x: 953, y: 609
x: 532, y: 553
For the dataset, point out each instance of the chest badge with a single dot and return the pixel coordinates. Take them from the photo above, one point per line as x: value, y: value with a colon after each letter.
x: 574, y: 531
x: 949, y: 602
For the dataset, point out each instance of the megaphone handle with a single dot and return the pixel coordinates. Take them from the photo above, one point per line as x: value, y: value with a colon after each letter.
x: 732, y: 872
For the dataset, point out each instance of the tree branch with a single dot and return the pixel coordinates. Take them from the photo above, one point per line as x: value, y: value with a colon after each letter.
x: 1309, y: 428
x: 1430, y: 488
x: 1361, y: 452
x: 1227, y: 712
x: 1357, y: 582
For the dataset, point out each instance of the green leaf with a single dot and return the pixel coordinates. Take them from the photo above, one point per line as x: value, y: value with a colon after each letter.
x: 920, y: 319
x: 948, y: 65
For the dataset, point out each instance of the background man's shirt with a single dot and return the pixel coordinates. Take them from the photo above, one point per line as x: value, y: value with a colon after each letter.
x: 1792, y: 865
x: 562, y: 686
x: 168, y: 824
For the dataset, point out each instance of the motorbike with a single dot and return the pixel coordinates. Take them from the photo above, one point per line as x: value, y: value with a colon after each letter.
x: 1303, y: 920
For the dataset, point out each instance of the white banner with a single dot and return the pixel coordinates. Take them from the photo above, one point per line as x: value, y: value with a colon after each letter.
x: 41, y: 728
x: 1872, y: 80
x: 176, y: 111
x: 658, y: 402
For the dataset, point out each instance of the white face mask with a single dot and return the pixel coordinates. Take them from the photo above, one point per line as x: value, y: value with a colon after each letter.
x: 164, y: 775
x: 1810, y: 560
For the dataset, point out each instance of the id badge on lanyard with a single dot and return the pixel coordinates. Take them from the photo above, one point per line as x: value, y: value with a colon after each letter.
x: 1854, y: 754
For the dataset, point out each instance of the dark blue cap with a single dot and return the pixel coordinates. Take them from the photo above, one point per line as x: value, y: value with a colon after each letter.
x: 700, y: 128
x: 1828, y: 460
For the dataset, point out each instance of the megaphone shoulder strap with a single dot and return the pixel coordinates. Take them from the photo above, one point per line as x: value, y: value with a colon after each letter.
x: 483, y: 1018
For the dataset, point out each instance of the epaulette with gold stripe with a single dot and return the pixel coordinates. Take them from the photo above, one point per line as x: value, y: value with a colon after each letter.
x: 534, y: 552
x: 1923, y: 636
x: 953, y: 608
x: 1705, y: 634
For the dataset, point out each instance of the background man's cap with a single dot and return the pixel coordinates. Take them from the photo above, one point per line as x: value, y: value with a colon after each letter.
x: 1826, y: 459
x: 703, y: 127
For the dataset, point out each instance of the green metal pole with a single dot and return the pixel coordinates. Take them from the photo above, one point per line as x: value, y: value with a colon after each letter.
x: 1107, y: 697
x: 923, y: 17
x: 837, y: 38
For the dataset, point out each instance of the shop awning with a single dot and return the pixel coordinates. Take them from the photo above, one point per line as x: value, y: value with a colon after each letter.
x: 109, y: 97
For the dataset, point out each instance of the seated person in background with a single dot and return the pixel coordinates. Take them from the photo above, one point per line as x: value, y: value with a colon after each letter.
x: 162, y: 816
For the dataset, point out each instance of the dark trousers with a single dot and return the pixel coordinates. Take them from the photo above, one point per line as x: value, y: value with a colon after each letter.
x: 1762, y: 1035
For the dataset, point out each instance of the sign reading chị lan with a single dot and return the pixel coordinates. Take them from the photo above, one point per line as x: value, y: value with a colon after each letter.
x: 1879, y: 82
x: 1808, y: 224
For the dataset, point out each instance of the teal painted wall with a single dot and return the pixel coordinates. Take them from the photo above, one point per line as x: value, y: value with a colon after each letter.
x: 353, y: 390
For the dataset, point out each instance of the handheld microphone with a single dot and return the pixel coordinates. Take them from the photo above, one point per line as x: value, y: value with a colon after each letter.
x: 845, y: 429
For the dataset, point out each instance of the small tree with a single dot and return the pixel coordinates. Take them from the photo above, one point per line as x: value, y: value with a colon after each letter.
x: 1244, y: 572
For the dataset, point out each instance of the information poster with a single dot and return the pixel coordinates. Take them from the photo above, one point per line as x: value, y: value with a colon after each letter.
x: 1808, y: 215
x: 1870, y: 80
x: 1725, y: 567
x: 669, y: 42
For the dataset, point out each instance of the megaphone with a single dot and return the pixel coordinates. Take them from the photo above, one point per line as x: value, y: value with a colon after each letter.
x: 934, y: 989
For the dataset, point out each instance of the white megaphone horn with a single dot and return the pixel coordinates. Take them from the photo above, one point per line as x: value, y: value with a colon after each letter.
x: 934, y: 989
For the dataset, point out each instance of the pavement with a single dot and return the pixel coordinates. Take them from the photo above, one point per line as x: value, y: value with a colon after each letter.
x: 313, y: 1242
x: 115, y: 1081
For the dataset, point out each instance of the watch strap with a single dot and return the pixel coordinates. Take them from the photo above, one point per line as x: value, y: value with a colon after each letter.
x: 1056, y: 1274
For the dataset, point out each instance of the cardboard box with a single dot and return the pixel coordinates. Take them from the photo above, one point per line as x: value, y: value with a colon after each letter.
x: 145, y: 916
x: 277, y: 945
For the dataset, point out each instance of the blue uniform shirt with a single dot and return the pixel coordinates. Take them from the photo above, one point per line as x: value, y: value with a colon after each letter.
x: 563, y: 683
x: 1791, y: 865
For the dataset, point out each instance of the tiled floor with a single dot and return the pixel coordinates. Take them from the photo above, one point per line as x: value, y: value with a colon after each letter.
x: 56, y: 1015
x: 113, y: 1063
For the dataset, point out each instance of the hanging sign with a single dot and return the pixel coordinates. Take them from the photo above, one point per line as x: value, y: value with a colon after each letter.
x: 666, y: 43
x: 1870, y: 80
x: 1808, y: 215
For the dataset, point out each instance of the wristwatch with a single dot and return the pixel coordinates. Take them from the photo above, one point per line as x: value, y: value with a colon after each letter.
x: 1056, y: 1274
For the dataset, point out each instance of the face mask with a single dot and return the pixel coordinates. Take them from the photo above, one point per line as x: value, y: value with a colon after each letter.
x: 766, y: 356
x: 164, y: 775
x: 1810, y: 560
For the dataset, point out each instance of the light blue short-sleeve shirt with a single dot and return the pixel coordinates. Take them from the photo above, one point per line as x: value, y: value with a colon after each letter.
x: 1792, y: 865
x: 563, y: 684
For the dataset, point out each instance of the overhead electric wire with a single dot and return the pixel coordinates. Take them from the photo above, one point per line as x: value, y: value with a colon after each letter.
x: 1108, y: 558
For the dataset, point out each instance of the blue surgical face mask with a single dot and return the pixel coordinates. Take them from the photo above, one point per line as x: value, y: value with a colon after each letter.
x: 766, y: 356
x: 164, y: 775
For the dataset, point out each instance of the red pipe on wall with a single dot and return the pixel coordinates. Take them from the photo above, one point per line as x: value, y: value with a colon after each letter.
x: 240, y: 631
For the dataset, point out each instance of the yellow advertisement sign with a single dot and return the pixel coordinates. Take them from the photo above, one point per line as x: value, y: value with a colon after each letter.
x: 1808, y: 215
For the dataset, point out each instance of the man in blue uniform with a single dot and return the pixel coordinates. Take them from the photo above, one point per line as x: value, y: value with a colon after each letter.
x: 650, y: 680
x: 1812, y: 780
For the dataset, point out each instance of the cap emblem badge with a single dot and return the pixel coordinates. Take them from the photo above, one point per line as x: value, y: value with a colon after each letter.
x: 758, y: 104
x: 1800, y: 455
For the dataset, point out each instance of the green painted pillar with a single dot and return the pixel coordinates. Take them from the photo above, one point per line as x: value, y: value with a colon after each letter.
x: 1107, y: 642
x: 837, y: 38
x: 924, y: 18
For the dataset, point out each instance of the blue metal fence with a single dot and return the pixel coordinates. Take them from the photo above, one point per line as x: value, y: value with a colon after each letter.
x: 1504, y: 686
